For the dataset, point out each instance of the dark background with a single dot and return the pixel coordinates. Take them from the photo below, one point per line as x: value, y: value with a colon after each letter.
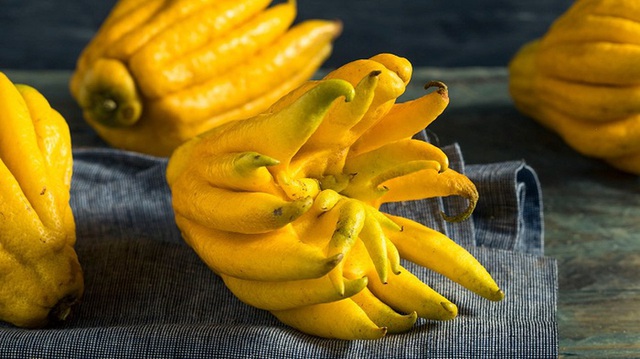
x: 49, y: 34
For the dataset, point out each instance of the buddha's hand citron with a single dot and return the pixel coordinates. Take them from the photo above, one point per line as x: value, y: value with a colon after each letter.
x: 40, y: 276
x: 285, y: 205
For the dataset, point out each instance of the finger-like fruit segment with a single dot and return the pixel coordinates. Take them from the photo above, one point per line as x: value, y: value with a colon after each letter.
x: 320, y: 155
x: 182, y: 54
x: 133, y: 40
x: 350, y: 221
x: 595, y: 27
x: 598, y: 139
x: 431, y: 183
x: 289, y: 127
x: 590, y: 62
x: 406, y: 293
x: 373, y: 171
x: 375, y: 240
x: 405, y: 119
x: 432, y: 249
x: 53, y: 139
x: 17, y: 210
x: 121, y: 20
x: 399, y: 65
x: 389, y: 87
x: 253, y: 212
x: 351, y: 218
x: 395, y: 153
x: 273, y: 256
x: 285, y: 295
x: 241, y: 171
x: 382, y: 314
x: 596, y: 103
x: 249, y: 80
x: 348, y: 321
x: 344, y: 117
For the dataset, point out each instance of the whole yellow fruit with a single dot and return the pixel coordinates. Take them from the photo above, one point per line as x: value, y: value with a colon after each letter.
x: 160, y: 72
x: 40, y: 276
x: 285, y: 205
x: 582, y: 81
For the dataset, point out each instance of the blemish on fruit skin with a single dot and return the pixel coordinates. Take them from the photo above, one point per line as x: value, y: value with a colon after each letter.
x: 277, y: 212
x: 44, y: 190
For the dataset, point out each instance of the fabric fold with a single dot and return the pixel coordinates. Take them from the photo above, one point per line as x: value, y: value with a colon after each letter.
x: 511, y: 217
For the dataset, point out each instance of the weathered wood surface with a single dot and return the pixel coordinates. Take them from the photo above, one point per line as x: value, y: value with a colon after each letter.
x: 49, y: 34
x: 591, y: 211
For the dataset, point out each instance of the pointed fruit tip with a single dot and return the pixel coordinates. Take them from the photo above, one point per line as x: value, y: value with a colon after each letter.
x: 497, y: 296
x: 260, y: 160
x: 331, y: 89
x: 292, y: 210
x: 378, y: 333
x: 343, y: 88
x: 338, y: 27
x: 334, y: 260
x: 413, y: 315
x: 450, y: 308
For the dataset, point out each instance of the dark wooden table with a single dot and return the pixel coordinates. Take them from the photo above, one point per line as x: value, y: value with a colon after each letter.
x: 591, y: 211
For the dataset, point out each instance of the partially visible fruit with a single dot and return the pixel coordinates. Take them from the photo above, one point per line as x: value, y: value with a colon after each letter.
x: 40, y: 276
x: 160, y: 72
x: 581, y: 80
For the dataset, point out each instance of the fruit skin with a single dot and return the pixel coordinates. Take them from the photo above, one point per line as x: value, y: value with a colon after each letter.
x: 40, y: 275
x: 160, y: 72
x: 581, y: 80
x: 330, y: 267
